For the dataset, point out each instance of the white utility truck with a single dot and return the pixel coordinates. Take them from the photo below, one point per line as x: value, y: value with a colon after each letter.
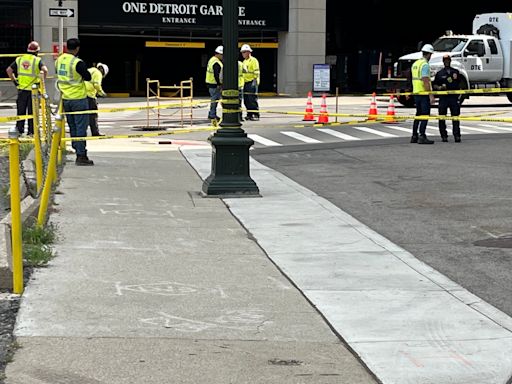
x: 484, y: 58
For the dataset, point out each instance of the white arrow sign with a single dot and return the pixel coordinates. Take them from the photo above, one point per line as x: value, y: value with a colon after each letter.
x: 62, y: 12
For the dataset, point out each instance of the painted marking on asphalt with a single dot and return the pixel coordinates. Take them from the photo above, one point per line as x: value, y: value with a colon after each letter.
x: 496, y: 127
x: 408, y: 130
x: 375, y: 132
x: 264, y: 141
x: 300, y: 137
x: 476, y: 129
x: 340, y: 135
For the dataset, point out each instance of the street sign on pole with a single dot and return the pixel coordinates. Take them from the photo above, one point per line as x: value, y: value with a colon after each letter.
x: 62, y: 12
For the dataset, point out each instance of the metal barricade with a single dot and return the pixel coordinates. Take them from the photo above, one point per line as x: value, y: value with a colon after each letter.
x: 183, y: 93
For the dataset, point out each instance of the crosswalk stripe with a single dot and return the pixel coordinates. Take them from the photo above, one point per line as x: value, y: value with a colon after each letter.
x: 408, y: 130
x: 476, y: 129
x: 262, y: 140
x: 375, y: 132
x: 300, y: 137
x: 496, y: 127
x: 340, y: 135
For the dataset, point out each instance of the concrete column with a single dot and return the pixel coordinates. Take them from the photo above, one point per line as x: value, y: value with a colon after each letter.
x: 46, y: 28
x: 302, y: 46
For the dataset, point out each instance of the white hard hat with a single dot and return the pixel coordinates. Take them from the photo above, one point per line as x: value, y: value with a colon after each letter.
x: 245, y: 48
x: 104, y: 67
x: 33, y: 47
x: 219, y: 50
x: 427, y: 48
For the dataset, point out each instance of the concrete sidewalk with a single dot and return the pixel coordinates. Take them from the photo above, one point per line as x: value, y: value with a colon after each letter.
x: 155, y: 284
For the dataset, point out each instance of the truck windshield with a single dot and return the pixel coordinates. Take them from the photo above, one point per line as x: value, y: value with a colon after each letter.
x: 449, y: 44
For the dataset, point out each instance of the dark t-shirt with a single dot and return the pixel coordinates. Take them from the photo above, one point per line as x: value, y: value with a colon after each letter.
x: 449, y: 77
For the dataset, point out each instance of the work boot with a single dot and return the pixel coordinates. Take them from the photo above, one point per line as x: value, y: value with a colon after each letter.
x: 457, y: 139
x: 414, y: 139
x: 423, y: 139
x: 444, y: 139
x: 83, y: 160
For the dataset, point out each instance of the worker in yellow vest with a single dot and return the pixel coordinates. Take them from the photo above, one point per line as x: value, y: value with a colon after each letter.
x: 251, y: 82
x: 25, y: 72
x: 214, y: 81
x: 241, y: 83
x: 94, y: 89
x: 71, y: 76
x: 420, y: 72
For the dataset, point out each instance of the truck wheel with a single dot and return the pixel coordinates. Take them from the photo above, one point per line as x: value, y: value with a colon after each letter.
x: 406, y: 101
x: 509, y: 96
x: 463, y: 85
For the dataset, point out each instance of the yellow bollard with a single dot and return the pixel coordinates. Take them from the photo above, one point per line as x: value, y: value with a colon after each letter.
x: 16, y: 236
x: 44, y: 100
x: 37, y: 138
x: 51, y: 172
x: 62, y: 144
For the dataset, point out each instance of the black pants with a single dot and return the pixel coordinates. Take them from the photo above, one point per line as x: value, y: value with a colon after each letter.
x: 24, y: 105
x: 251, y: 98
x: 93, y: 117
x: 445, y: 103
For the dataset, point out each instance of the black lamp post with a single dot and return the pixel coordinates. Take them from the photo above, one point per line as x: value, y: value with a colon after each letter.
x: 230, y: 144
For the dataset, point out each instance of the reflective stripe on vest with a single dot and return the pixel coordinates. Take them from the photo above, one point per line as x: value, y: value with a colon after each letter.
x: 241, y: 80
x: 28, y: 71
x: 69, y: 81
x: 210, y: 78
x: 417, y: 82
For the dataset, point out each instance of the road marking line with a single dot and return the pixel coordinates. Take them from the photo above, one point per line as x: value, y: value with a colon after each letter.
x: 375, y: 132
x: 300, y: 137
x: 263, y: 141
x: 476, y: 129
x: 408, y: 130
x: 340, y: 135
x: 496, y: 127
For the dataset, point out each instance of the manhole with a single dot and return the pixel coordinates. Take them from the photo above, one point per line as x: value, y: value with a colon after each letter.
x: 150, y: 128
x: 285, y: 362
x: 495, y: 242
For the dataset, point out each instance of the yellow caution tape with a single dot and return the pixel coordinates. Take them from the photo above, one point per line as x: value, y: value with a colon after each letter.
x: 15, y: 118
x: 457, y: 92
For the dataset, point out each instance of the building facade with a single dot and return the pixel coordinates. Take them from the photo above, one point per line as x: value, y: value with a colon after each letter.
x: 172, y: 40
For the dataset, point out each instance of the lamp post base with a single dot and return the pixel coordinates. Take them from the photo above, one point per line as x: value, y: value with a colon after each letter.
x: 230, y: 165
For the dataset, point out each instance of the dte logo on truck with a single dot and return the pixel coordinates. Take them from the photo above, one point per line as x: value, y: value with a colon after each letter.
x: 476, y: 67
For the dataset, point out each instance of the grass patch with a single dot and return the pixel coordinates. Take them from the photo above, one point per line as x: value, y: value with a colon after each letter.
x: 37, y: 241
x: 25, y: 149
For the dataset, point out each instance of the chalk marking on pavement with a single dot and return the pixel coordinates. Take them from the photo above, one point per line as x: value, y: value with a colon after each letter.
x: 340, y: 135
x: 300, y: 137
x: 374, y: 131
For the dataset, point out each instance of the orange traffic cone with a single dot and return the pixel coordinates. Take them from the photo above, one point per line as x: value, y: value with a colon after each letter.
x: 390, y: 115
x: 373, y: 108
x: 308, y: 114
x: 324, y: 115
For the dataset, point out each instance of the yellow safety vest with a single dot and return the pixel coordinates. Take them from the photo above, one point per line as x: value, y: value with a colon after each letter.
x: 94, y: 86
x: 417, y: 82
x: 210, y: 78
x: 69, y: 81
x: 252, y: 67
x: 241, y: 80
x: 28, y: 71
